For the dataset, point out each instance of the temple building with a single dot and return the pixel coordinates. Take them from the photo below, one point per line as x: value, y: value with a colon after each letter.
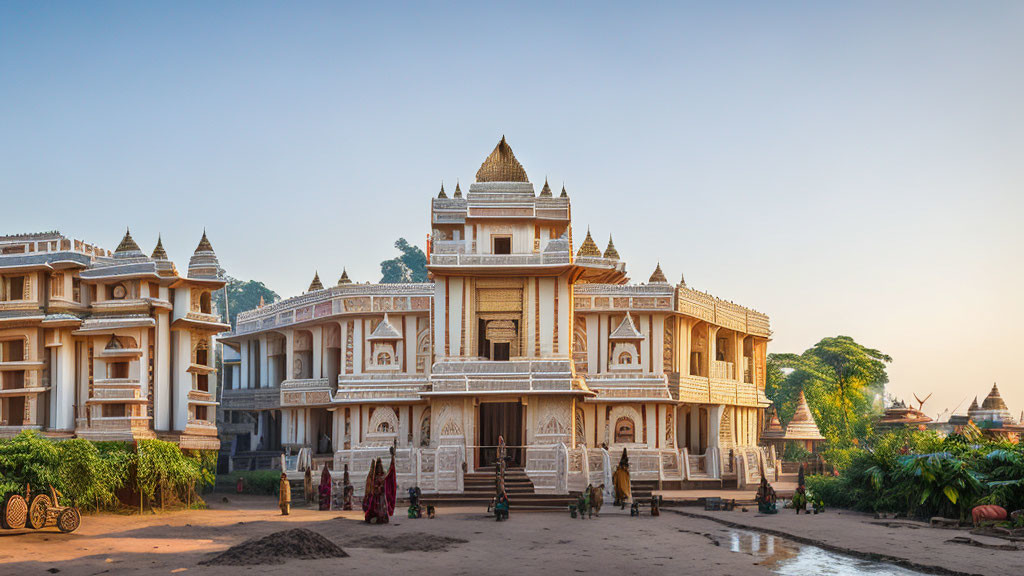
x: 107, y: 345
x: 523, y: 334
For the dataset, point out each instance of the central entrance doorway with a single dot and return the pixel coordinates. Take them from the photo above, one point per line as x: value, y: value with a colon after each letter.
x: 503, y: 419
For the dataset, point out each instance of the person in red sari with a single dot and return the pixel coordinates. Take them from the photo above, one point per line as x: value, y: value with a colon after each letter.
x: 325, y: 489
x: 381, y: 492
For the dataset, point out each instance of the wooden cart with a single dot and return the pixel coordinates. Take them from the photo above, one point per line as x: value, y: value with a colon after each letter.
x: 39, y: 511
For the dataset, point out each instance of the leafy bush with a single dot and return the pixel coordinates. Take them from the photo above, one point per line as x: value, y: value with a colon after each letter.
x: 259, y: 482
x: 28, y: 458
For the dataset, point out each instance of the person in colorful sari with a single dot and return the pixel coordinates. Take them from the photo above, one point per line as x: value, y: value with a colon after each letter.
x: 284, y: 495
x: 381, y: 492
x: 325, y: 489
x: 620, y: 481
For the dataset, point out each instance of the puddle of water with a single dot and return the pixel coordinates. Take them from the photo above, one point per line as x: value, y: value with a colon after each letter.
x: 788, y: 558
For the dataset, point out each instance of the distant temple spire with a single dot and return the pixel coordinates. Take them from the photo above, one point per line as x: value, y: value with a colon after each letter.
x: 610, y: 252
x: 159, y: 253
x: 545, y: 192
x: 344, y: 278
x: 589, y: 248
x: 658, y: 277
x: 564, y: 194
x: 458, y: 190
x: 441, y: 194
x: 127, y: 244
x: 316, y: 284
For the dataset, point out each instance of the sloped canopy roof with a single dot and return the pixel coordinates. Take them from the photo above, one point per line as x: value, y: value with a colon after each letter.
x: 626, y: 330
x: 385, y: 331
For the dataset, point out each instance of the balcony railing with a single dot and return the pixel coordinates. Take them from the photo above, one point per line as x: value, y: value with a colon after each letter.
x: 548, y: 258
x: 721, y: 370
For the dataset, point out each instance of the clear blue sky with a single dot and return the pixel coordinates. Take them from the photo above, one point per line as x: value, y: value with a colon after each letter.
x: 848, y: 169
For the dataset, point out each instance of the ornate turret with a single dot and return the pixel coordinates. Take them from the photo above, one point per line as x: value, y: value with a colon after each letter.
x: 204, y: 264
x: 658, y: 277
x: 441, y: 194
x: 610, y: 252
x: 545, y: 192
x: 564, y: 194
x: 344, y: 278
x: 316, y: 284
x: 501, y: 166
x: 128, y: 248
x: 159, y: 253
x: 994, y: 401
x: 589, y: 248
x: 802, y: 426
x: 458, y: 190
x: 682, y: 279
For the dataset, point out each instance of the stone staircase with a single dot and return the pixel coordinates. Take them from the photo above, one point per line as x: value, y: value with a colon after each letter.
x: 479, y: 491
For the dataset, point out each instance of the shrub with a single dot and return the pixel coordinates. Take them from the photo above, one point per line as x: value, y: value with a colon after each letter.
x: 259, y: 482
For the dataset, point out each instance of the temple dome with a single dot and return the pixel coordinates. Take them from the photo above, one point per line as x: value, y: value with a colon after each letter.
x: 994, y: 401
x: 501, y: 166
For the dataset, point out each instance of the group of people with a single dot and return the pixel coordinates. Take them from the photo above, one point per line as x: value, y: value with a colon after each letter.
x: 378, y: 501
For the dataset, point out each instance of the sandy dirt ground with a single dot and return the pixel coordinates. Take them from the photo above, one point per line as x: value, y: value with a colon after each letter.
x: 530, y: 543
x: 914, y: 544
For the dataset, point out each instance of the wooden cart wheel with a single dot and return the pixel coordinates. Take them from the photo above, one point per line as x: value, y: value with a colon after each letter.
x: 15, y: 512
x: 37, y: 511
x: 69, y: 520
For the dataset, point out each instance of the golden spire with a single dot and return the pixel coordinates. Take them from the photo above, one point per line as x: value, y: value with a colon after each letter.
x: 501, y: 166
x: 563, y: 194
x: 682, y: 279
x: 127, y: 243
x: 159, y: 253
x: 204, y: 244
x: 589, y: 248
x: 545, y: 192
x: 261, y: 302
x: 441, y: 194
x: 658, y: 277
x: 344, y: 277
x: 316, y: 284
x: 610, y: 252
x: 458, y: 191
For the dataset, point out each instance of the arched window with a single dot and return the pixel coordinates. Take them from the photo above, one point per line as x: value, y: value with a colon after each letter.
x: 625, y: 431
x: 625, y: 358
x: 383, y: 358
x: 384, y: 428
x: 204, y: 303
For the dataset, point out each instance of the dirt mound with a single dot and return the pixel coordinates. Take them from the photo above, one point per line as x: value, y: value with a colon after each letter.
x: 296, y: 544
x: 411, y: 542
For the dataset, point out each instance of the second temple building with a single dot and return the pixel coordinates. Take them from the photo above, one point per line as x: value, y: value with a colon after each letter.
x: 521, y: 334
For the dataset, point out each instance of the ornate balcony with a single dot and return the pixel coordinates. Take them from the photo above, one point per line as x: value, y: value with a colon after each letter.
x: 486, y: 376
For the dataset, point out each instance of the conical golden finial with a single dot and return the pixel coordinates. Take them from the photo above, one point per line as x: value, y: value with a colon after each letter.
x: 441, y: 194
x: 127, y: 243
x: 159, y: 253
x: 545, y: 192
x: 458, y: 191
x: 501, y: 166
x: 344, y: 277
x: 563, y: 194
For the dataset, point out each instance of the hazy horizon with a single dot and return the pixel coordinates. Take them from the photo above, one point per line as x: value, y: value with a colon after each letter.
x: 847, y: 170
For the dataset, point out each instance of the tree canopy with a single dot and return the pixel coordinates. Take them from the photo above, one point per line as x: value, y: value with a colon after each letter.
x: 411, y: 266
x: 243, y: 295
x: 842, y: 380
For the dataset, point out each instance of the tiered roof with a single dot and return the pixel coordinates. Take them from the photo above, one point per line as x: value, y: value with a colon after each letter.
x: 658, y: 277
x: 316, y: 284
x: 774, y: 430
x: 994, y: 401
x: 128, y: 248
x: 626, y: 330
x: 204, y: 264
x: 610, y: 252
x: 344, y: 278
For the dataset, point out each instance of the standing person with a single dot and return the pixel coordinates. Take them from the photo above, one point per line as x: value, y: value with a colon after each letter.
x: 284, y: 495
x: 325, y: 488
x: 620, y: 481
x: 348, y: 491
x: 307, y: 485
x: 382, y: 492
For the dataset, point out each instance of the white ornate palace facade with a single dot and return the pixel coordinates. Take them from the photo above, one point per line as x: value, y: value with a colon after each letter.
x: 107, y: 345
x: 519, y: 335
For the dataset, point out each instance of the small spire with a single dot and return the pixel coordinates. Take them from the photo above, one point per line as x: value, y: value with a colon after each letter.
x: 159, y: 253
x: 545, y: 192
x: 589, y: 248
x: 344, y: 278
x: 682, y: 279
x: 204, y: 244
x: 458, y: 191
x: 316, y: 284
x: 441, y: 194
x: 262, y: 304
x: 610, y: 252
x: 658, y: 277
x: 563, y: 194
x: 127, y: 243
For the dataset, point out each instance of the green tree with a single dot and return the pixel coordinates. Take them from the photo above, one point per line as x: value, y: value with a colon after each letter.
x: 243, y: 295
x: 842, y: 380
x: 411, y: 266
